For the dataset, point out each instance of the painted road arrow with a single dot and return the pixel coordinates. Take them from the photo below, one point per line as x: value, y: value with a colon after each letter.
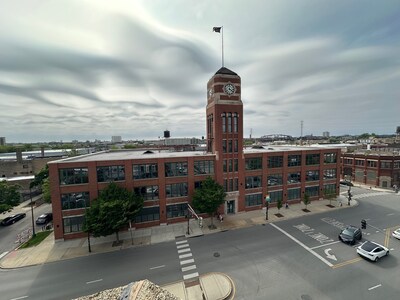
x: 328, y: 255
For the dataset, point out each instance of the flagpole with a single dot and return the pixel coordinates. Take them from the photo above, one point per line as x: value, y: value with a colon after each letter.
x: 222, y: 28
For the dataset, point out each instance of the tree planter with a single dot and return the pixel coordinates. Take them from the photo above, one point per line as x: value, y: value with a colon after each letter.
x: 279, y: 215
x: 306, y: 210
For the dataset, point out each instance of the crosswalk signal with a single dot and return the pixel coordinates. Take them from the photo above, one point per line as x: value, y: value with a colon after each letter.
x: 363, y: 224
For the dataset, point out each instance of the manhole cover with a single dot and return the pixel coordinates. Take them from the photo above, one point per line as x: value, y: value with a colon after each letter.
x: 306, y: 297
x: 216, y: 254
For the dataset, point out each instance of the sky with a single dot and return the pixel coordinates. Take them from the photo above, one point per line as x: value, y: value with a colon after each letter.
x: 86, y: 70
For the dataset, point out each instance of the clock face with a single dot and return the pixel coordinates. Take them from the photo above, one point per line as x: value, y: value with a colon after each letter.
x: 229, y: 89
x: 210, y: 93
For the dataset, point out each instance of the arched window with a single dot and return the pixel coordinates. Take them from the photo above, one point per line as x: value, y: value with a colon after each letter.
x: 229, y: 122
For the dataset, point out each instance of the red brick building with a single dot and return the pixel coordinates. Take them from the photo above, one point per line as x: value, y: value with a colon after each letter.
x: 167, y: 180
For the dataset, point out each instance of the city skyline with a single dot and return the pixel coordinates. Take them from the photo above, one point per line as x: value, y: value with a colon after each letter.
x: 83, y: 71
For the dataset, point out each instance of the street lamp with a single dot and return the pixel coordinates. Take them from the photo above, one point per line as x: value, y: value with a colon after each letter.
x: 267, y: 200
x: 188, y: 215
x: 33, y: 222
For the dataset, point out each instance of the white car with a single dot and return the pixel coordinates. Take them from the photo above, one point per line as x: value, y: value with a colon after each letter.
x: 396, y: 233
x: 372, y: 250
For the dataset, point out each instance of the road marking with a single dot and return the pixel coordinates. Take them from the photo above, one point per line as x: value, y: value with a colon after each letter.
x: 182, y: 246
x: 302, y: 245
x: 189, y: 276
x: 347, y: 262
x: 184, y: 250
x: 158, y: 267
x: 312, y: 248
x: 391, y: 214
x: 328, y: 255
x: 185, y: 255
x: 23, y: 297
x: 3, y: 254
x: 181, y: 242
x: 374, y: 287
x: 94, y: 281
x: 188, y: 268
x: 387, y: 237
x: 185, y: 262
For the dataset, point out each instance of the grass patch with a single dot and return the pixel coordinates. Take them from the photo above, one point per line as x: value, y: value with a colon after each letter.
x: 40, y: 236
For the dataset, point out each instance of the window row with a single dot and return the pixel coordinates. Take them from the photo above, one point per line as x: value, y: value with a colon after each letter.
x: 229, y: 122
x: 230, y: 146
x: 230, y: 165
x: 143, y: 171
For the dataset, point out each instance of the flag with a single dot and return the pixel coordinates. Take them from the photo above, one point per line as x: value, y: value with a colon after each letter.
x: 217, y: 29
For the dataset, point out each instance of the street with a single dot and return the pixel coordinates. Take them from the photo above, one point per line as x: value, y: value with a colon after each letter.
x: 299, y: 258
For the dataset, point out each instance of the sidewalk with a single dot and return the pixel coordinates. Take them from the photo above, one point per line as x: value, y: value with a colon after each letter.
x: 213, y: 285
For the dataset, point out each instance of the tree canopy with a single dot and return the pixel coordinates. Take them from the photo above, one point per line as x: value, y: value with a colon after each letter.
x: 40, y: 177
x: 9, y: 196
x: 209, y: 197
x: 111, y: 211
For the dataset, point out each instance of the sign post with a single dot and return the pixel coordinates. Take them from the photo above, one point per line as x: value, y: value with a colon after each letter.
x: 267, y: 200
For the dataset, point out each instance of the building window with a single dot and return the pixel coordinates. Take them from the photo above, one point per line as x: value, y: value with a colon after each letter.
x: 294, y: 178
x: 386, y: 165
x: 229, y: 122
x: 330, y: 174
x: 294, y: 160
x: 235, y: 146
x: 147, y: 192
x: 312, y: 175
x: 254, y: 163
x: 223, y: 116
x: 148, y: 214
x: 74, y: 176
x: 312, y: 190
x: 230, y: 148
x: 359, y: 175
x: 225, y: 166
x: 177, y: 210
x: 359, y: 162
x: 312, y: 159
x: 235, y: 184
x: 235, y: 122
x: 176, y: 190
x: 73, y: 224
x: 110, y: 173
x: 223, y: 146
x: 75, y: 200
x: 371, y: 174
x: 274, y: 180
x: 203, y: 167
x: 293, y: 194
x: 275, y: 162
x: 253, y: 182
x: 254, y: 200
x: 145, y: 171
x: 235, y: 164
x: 176, y: 169
x: 330, y: 158
x: 396, y: 165
x: 275, y: 196
x: 329, y: 189
x: 372, y: 163
x: 197, y: 184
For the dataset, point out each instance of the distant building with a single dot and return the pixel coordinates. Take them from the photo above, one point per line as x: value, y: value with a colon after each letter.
x: 2, y: 141
x: 167, y: 179
x: 116, y: 139
x: 325, y: 134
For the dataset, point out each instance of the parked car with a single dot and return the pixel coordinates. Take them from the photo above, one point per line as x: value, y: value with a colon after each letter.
x: 348, y: 183
x: 373, y: 251
x: 350, y: 235
x: 44, y: 219
x: 396, y: 233
x: 12, y: 219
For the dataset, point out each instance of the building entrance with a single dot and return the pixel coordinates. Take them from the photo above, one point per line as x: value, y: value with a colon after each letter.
x: 230, y: 207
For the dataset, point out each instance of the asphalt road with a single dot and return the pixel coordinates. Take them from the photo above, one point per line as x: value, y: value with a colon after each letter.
x: 294, y: 259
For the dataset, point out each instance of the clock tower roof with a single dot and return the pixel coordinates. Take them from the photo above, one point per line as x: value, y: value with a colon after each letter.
x: 225, y: 71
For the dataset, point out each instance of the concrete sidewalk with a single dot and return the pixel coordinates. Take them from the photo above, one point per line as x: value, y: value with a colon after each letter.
x: 212, y: 286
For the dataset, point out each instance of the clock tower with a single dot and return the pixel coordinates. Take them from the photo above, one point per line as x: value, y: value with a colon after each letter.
x: 225, y: 134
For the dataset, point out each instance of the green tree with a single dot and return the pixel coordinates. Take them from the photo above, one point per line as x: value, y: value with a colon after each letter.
x: 279, y: 204
x: 40, y: 177
x: 46, y: 190
x: 329, y: 194
x: 9, y: 195
x: 306, y: 199
x: 111, y: 211
x: 208, y: 198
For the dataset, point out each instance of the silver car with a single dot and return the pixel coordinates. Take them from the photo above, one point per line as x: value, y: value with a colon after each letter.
x: 396, y: 233
x: 372, y: 250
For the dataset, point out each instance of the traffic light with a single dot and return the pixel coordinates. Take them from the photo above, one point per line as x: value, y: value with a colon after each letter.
x: 363, y: 224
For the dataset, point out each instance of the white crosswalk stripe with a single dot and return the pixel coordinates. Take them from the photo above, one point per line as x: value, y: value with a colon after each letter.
x: 186, y: 260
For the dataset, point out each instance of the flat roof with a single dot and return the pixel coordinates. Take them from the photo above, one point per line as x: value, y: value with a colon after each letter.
x: 154, y: 154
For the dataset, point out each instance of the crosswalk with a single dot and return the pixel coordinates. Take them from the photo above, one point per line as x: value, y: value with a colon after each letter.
x: 186, y: 259
x: 366, y: 195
